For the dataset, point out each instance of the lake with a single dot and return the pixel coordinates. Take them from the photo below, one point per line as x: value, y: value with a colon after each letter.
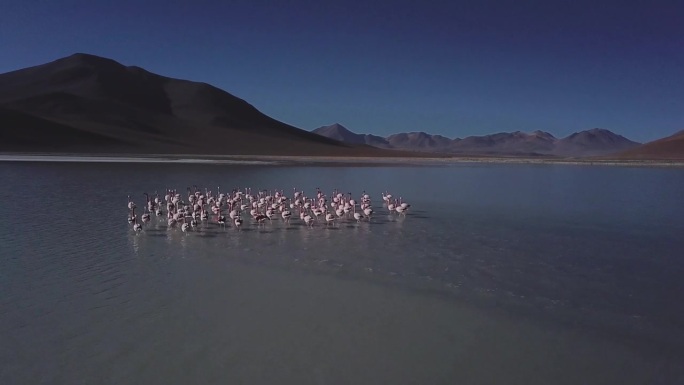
x: 497, y: 274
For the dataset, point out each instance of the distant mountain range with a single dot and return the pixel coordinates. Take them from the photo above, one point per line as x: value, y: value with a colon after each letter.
x: 592, y: 142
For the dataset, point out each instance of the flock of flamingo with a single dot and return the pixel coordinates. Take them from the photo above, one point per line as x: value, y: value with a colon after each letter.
x: 187, y: 213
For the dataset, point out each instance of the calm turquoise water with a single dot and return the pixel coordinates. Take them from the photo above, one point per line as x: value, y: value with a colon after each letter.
x: 511, y: 274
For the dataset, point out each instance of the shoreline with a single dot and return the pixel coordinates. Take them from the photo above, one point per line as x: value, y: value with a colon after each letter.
x: 320, y: 160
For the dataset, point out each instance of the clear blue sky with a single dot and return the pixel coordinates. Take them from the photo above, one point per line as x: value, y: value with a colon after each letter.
x: 454, y: 68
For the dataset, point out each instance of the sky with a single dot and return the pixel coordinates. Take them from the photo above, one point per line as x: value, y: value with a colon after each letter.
x: 454, y: 68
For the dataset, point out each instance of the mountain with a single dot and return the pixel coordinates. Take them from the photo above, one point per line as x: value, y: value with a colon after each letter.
x: 593, y: 142
x: 419, y: 141
x: 506, y: 143
x: 29, y: 132
x: 92, y: 104
x: 339, y: 132
x: 538, y: 143
x: 668, y: 148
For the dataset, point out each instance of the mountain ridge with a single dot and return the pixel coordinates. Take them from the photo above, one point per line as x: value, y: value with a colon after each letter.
x: 586, y: 143
x: 132, y: 110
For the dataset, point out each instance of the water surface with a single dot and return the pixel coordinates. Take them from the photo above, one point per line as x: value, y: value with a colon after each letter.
x: 529, y: 274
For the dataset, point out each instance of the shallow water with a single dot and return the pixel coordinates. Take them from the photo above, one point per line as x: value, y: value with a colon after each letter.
x: 529, y: 274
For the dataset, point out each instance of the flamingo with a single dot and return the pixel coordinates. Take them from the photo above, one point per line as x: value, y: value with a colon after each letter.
x: 131, y: 217
x: 308, y: 220
x: 137, y: 227
x: 317, y: 212
x: 233, y: 214
x: 261, y: 218
x: 265, y: 204
x: 357, y: 216
x: 402, y: 207
x: 150, y: 204
x: 145, y: 217
x: 221, y: 220
x: 131, y: 205
x: 367, y: 212
x: 191, y: 196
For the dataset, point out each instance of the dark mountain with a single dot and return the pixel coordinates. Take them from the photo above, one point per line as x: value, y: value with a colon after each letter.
x: 95, y: 104
x: 586, y: 143
x: 593, y: 142
x: 668, y: 148
x: 30, y: 132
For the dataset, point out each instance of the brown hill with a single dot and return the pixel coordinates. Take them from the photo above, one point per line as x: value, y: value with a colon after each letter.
x: 93, y: 104
x: 669, y: 148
